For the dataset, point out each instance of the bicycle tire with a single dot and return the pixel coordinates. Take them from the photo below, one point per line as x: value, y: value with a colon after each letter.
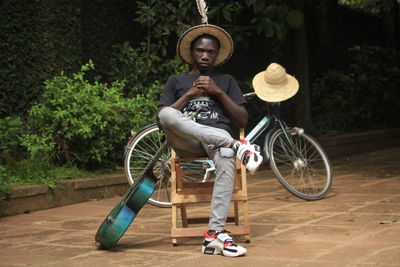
x: 308, y: 177
x: 139, y: 151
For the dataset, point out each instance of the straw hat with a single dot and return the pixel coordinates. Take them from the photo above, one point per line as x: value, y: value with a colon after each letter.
x: 186, y: 39
x: 274, y: 85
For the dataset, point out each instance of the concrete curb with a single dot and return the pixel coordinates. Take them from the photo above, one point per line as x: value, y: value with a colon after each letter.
x: 23, y: 199
x: 337, y: 146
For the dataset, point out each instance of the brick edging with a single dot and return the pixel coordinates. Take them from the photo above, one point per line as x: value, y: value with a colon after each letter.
x: 347, y: 144
x: 23, y: 199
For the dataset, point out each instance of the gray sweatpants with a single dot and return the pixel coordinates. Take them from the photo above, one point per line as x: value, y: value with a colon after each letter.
x: 191, y: 139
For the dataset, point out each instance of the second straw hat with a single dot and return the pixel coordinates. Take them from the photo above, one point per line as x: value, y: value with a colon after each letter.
x: 274, y: 84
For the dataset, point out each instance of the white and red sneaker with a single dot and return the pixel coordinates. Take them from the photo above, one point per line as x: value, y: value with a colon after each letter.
x: 249, y: 155
x: 219, y: 243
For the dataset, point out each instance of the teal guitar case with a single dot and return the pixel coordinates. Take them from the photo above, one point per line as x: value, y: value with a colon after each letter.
x: 121, y: 216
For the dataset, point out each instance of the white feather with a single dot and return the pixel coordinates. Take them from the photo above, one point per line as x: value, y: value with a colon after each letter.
x: 203, y: 9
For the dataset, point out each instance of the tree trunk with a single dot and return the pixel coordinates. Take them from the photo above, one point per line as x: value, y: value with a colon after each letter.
x: 323, y: 44
x: 302, y: 73
x: 390, y: 21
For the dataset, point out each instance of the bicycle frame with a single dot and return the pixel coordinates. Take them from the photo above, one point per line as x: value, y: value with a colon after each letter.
x: 263, y: 125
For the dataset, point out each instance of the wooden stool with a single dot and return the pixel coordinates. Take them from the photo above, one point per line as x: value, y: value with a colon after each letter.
x: 184, y: 194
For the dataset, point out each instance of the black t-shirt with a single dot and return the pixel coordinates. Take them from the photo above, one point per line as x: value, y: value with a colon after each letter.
x: 207, y: 110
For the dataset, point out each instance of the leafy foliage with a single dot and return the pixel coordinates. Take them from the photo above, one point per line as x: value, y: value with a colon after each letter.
x: 141, y: 69
x: 39, y: 39
x: 86, y: 122
x: 86, y: 116
x: 10, y: 131
x: 362, y: 94
x: 377, y: 7
x: 275, y: 18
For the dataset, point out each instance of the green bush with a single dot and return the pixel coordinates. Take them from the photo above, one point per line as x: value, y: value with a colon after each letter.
x: 141, y: 68
x: 10, y: 131
x: 363, y: 94
x: 38, y: 40
x: 86, y: 122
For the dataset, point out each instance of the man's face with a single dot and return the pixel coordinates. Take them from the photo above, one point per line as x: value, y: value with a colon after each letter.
x: 204, y: 53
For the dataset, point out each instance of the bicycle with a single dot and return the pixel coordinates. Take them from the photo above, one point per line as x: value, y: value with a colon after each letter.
x: 297, y: 160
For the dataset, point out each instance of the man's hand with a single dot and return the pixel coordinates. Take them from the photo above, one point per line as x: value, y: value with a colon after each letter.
x: 195, y: 92
x: 237, y: 113
x: 192, y: 93
x: 207, y: 84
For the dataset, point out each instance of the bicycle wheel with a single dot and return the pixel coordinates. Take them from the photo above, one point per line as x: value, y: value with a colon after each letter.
x: 303, y: 167
x: 140, y: 150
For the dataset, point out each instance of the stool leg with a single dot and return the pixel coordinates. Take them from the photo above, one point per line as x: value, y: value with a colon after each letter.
x: 236, y: 204
x: 246, y: 219
x: 174, y: 224
x: 184, y: 216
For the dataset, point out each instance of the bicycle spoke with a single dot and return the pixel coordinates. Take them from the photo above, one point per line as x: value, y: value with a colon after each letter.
x: 144, y: 155
x: 142, y: 151
x: 143, y: 147
x: 313, y: 185
x: 300, y: 165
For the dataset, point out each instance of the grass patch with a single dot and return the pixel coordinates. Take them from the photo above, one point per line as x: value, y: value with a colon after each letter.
x: 36, y: 172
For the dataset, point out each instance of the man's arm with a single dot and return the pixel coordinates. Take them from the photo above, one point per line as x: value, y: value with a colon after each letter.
x: 189, y: 95
x: 183, y: 100
x: 237, y: 113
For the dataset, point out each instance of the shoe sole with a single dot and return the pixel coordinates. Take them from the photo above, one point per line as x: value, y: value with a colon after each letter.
x: 216, y: 251
x: 210, y: 251
x: 230, y: 254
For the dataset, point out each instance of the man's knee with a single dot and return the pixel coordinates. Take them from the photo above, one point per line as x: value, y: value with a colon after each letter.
x: 167, y: 116
x: 226, y: 152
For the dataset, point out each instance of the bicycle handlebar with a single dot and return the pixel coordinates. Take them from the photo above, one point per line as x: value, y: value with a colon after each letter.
x: 272, y: 107
x: 249, y: 96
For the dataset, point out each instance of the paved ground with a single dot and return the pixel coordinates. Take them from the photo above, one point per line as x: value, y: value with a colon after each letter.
x: 358, y: 224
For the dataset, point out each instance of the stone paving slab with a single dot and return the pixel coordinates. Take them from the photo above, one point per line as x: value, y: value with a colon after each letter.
x: 357, y: 224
